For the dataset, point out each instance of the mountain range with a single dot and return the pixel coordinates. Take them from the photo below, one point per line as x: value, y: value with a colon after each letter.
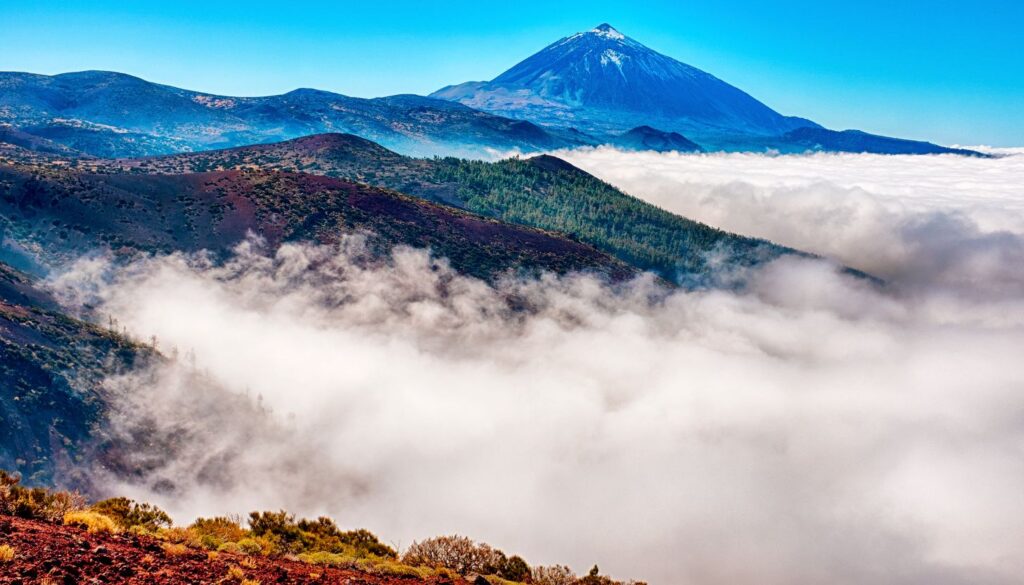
x: 591, y: 88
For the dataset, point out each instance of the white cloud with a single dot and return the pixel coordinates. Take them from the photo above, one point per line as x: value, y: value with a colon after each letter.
x: 811, y: 429
x: 930, y: 220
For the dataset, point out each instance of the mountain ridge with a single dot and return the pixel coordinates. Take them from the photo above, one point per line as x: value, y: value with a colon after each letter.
x: 543, y: 192
x: 110, y: 114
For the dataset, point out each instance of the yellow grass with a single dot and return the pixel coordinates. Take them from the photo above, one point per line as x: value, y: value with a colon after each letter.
x: 175, y: 550
x: 6, y: 553
x: 91, y: 521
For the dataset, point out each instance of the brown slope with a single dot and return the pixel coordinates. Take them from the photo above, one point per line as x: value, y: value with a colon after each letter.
x: 64, y: 212
x: 65, y: 554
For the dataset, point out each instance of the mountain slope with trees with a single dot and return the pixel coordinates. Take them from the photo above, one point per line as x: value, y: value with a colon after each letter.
x: 544, y: 192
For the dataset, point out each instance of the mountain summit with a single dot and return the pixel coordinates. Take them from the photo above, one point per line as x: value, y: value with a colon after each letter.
x: 602, y: 80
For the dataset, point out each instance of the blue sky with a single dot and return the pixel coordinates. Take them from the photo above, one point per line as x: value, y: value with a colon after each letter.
x: 950, y: 72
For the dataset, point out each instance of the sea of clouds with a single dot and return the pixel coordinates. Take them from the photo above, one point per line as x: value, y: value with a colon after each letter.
x: 811, y: 428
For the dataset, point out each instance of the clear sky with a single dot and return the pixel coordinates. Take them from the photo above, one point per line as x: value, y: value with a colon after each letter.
x: 946, y: 71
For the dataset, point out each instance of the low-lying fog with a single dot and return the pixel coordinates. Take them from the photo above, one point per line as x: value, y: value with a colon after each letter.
x: 811, y: 429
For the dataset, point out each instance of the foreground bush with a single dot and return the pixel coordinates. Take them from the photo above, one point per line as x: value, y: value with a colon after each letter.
x: 288, y: 536
x: 553, y: 575
x: 35, y: 503
x: 131, y: 514
x: 216, y: 532
x: 465, y: 557
x: 6, y: 553
x: 91, y: 521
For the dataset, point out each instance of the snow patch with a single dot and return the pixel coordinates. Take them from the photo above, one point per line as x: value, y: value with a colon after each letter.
x: 608, y: 32
x: 610, y: 56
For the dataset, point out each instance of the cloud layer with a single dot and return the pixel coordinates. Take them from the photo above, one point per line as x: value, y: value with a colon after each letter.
x: 922, y: 220
x: 811, y: 429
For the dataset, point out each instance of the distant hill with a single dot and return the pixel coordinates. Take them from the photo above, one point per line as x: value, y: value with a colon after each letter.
x: 111, y: 114
x: 603, y: 82
x: 821, y: 139
x: 544, y: 192
x: 647, y: 138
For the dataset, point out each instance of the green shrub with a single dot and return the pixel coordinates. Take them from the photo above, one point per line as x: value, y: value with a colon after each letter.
x: 250, y: 546
x: 322, y: 534
x: 221, y: 529
x: 515, y: 569
x: 129, y: 513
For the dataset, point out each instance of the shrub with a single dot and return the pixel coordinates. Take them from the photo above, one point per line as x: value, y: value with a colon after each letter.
x: 279, y: 528
x: 514, y: 569
x: 6, y: 553
x: 179, y: 535
x: 214, y: 532
x: 35, y: 503
x: 457, y: 553
x: 288, y: 536
x: 91, y: 521
x: 235, y: 573
x: 553, y: 575
x: 250, y: 546
x: 129, y: 513
x: 367, y: 542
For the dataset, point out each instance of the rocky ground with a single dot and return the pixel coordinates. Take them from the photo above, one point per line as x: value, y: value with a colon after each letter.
x: 57, y: 555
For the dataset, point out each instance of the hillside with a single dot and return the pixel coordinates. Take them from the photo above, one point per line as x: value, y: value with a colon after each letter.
x: 50, y: 536
x: 59, y: 213
x: 69, y: 554
x: 543, y: 192
x: 51, y: 367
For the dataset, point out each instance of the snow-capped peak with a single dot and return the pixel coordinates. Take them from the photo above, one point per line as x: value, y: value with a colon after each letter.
x: 607, y: 31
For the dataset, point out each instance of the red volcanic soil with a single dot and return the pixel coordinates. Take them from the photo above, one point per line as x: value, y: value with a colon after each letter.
x: 51, y: 553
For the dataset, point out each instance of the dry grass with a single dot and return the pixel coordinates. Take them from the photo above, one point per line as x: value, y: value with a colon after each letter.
x: 91, y: 521
x: 235, y: 573
x: 175, y: 550
x: 250, y: 582
x: 248, y: 563
x: 6, y: 553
